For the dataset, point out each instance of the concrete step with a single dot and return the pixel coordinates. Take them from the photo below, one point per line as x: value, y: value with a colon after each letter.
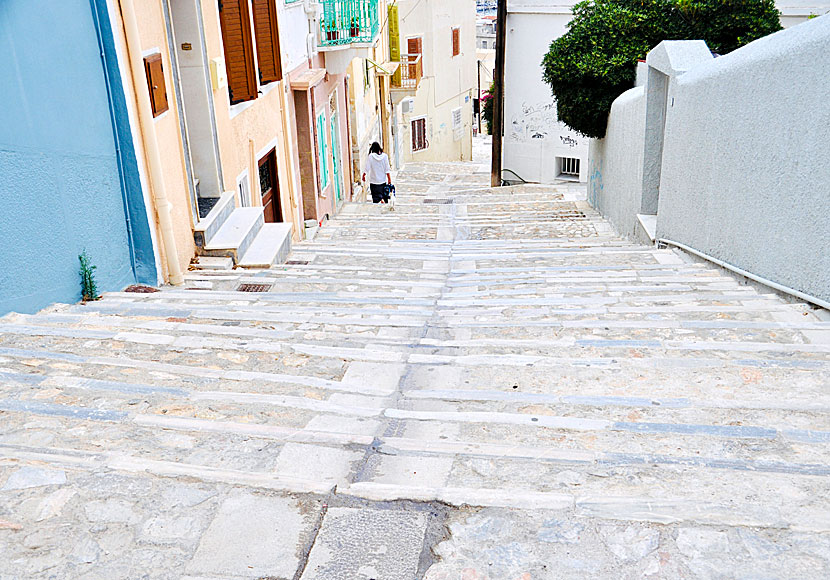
x: 271, y: 245
x: 236, y: 234
x: 216, y: 218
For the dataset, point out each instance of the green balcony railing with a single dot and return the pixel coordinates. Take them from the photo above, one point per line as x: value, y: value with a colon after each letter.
x: 344, y: 22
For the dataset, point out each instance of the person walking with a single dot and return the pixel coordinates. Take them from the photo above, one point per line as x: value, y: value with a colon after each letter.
x: 380, y: 173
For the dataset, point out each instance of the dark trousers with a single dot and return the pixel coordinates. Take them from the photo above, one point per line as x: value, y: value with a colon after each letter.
x: 378, y: 192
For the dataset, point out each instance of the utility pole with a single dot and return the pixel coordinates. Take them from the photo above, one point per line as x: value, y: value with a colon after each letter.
x: 498, y: 97
x: 478, y: 94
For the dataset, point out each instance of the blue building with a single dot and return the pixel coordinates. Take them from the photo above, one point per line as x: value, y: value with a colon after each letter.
x: 69, y: 178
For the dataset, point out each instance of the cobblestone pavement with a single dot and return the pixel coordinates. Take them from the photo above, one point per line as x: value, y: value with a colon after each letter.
x: 475, y: 385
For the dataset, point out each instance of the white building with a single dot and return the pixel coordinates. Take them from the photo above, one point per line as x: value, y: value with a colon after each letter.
x: 434, y: 122
x: 537, y: 147
x: 486, y: 32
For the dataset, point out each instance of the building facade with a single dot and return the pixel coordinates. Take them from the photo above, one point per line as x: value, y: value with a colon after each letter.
x: 434, y: 121
x: 537, y: 147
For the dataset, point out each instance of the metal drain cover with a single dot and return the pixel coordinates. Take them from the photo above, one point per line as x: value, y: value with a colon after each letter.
x: 254, y: 288
x: 439, y: 200
x: 296, y: 262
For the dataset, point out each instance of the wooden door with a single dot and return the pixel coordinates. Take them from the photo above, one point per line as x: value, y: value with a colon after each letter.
x: 269, y: 187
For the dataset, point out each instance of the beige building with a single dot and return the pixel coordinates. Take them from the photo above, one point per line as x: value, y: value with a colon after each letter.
x: 247, y: 118
x: 434, y: 122
x: 209, y: 105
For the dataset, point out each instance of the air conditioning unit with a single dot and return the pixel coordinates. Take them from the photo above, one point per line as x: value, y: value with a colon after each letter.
x: 407, y: 105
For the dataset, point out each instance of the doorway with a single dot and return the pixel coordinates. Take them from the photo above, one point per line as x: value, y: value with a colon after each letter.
x: 269, y: 187
x: 194, y: 99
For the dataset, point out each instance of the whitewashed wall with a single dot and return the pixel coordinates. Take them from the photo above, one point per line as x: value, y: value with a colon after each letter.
x: 533, y: 136
x: 744, y: 173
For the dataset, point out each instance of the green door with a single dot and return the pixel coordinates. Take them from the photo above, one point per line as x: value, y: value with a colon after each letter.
x: 335, y: 158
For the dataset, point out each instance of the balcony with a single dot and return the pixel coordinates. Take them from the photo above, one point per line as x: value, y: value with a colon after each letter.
x: 344, y: 23
x: 408, y: 75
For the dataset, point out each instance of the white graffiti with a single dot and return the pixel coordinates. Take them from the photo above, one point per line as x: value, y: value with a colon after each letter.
x: 534, y: 122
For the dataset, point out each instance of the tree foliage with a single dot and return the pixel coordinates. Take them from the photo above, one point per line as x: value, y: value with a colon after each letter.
x: 487, y: 107
x: 595, y: 61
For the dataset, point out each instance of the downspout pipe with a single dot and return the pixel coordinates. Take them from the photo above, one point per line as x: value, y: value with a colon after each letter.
x: 774, y: 285
x: 148, y: 137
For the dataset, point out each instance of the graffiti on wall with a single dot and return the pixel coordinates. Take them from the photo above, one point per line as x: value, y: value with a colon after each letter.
x: 595, y: 183
x: 533, y: 122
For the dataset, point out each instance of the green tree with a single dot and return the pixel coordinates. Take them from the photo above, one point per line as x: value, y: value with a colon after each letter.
x: 595, y: 61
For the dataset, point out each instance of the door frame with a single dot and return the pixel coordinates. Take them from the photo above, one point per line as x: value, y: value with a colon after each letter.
x: 276, y: 208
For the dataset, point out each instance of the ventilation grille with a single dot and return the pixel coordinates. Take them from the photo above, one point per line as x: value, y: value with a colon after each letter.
x: 296, y: 262
x: 254, y: 288
x: 439, y: 200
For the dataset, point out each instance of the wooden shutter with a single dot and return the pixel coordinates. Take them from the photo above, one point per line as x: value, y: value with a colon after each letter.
x: 267, y: 40
x: 239, y: 55
x: 155, y: 84
x: 419, y: 134
x: 413, y: 45
x: 456, y: 41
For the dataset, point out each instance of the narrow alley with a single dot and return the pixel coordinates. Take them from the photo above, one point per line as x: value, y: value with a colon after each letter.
x: 475, y: 384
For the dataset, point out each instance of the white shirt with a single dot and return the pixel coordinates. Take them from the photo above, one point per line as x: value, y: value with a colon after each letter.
x: 377, y: 166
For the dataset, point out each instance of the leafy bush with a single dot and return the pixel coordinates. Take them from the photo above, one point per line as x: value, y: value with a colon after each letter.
x: 487, y: 107
x: 595, y: 61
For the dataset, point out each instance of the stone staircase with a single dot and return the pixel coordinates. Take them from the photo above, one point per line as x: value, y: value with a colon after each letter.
x: 572, y: 403
x: 240, y: 233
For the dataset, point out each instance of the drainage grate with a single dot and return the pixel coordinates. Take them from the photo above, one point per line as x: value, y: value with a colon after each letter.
x: 254, y: 288
x: 439, y: 200
x: 296, y: 263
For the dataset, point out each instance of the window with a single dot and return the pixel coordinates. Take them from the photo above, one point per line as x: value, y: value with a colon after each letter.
x: 414, y: 45
x: 235, y: 23
x: 267, y: 41
x: 568, y: 166
x: 419, y: 134
x: 155, y: 84
x: 456, y: 41
x: 322, y: 158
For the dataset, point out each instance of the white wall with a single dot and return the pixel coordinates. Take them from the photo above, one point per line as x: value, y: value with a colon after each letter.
x: 744, y: 175
x: 615, y: 167
x: 293, y: 25
x: 533, y: 135
x: 448, y: 82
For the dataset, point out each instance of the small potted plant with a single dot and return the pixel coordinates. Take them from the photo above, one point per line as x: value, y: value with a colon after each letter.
x: 354, y: 29
x: 331, y: 30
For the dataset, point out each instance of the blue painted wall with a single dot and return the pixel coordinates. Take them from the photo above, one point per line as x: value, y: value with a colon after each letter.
x: 68, y: 173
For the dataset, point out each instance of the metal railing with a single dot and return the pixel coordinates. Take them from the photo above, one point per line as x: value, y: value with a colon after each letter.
x: 409, y: 73
x: 348, y: 21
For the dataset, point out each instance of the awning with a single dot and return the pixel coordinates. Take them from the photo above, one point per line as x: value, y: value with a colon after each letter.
x: 307, y: 79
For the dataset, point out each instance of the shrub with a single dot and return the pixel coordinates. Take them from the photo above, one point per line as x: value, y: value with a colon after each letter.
x: 487, y: 107
x: 595, y: 61
x: 89, y: 289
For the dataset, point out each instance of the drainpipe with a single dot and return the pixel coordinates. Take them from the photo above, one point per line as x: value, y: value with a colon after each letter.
x: 311, y: 12
x: 148, y: 137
